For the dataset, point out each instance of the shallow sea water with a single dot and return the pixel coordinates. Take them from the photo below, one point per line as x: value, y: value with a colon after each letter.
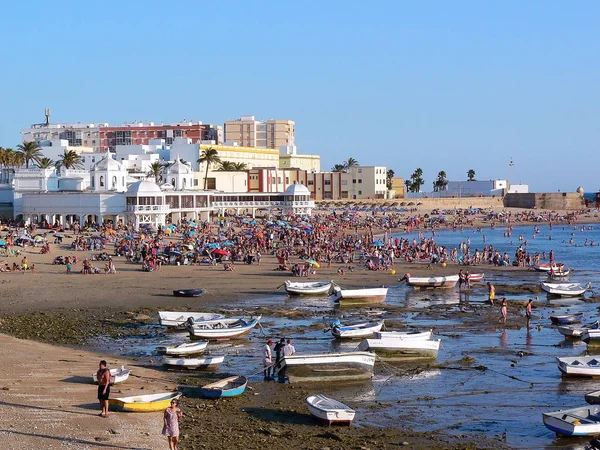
x: 522, y: 379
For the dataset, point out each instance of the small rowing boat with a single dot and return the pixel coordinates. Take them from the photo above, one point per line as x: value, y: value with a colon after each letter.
x: 548, y: 268
x: 144, y: 403
x: 563, y: 289
x: 579, y: 366
x: 566, y: 319
x: 118, y: 375
x: 206, y: 363
x: 308, y: 288
x: 358, y: 331
x: 476, y: 277
x: 394, y: 348
x: 591, y: 336
x: 416, y: 334
x: 593, y: 398
x: 188, y: 292
x: 221, y: 329
x: 328, y: 367
x: 439, y: 282
x: 329, y: 409
x: 188, y: 348
x: 583, y: 421
x: 227, y: 387
x: 577, y: 330
x: 359, y: 296
x: 178, y: 318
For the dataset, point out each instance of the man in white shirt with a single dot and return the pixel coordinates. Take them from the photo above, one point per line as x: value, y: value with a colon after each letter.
x: 288, y: 349
x: 267, y: 362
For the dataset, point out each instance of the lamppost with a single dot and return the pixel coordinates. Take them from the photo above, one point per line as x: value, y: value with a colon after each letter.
x: 511, y: 164
x: 459, y: 193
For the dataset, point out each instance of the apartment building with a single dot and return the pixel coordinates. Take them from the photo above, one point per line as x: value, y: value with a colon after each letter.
x: 75, y: 134
x: 249, y: 132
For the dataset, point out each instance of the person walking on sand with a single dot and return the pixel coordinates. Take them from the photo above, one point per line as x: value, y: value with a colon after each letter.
x: 491, y: 292
x: 528, y: 312
x: 267, y: 360
x: 171, y: 424
x: 103, y: 377
x: 503, y: 311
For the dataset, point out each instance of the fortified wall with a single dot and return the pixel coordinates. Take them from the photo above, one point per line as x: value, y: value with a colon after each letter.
x: 554, y: 200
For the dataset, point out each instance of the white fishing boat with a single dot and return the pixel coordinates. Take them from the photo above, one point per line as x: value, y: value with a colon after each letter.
x: 359, y: 296
x: 591, y: 336
x: 440, y: 282
x: 118, y: 375
x: 593, y: 398
x: 561, y: 272
x: 329, y: 409
x: 416, y: 334
x: 579, y: 366
x: 476, y: 277
x: 577, y: 330
x: 548, y: 268
x: 206, y: 363
x: 178, y: 318
x: 583, y: 421
x: 393, y: 348
x: 328, y: 367
x: 308, y: 287
x: 357, y: 331
x: 563, y: 289
x: 221, y: 329
x: 188, y: 348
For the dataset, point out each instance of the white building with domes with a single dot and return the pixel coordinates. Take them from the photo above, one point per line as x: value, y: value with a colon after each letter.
x: 108, y: 175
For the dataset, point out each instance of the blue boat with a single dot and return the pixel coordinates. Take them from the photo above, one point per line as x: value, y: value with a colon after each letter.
x: 567, y: 319
x: 188, y: 292
x: 227, y: 387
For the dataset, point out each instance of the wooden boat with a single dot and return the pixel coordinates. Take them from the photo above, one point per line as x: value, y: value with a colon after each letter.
x: 441, y: 282
x: 221, y: 329
x: 583, y: 421
x: 144, y: 403
x: 178, y: 318
x: 579, y: 366
x: 563, y: 289
x: 360, y: 330
x: 548, y: 268
x: 308, y: 288
x: 577, y: 330
x: 329, y: 409
x: 188, y: 292
x: 566, y: 319
x: 227, y: 387
x: 401, y: 348
x: 416, y: 334
x: 326, y: 367
x: 591, y: 336
x: 188, y: 348
x: 593, y: 398
x: 560, y: 273
x: 119, y: 375
x: 476, y: 277
x: 359, y: 296
x: 206, y: 363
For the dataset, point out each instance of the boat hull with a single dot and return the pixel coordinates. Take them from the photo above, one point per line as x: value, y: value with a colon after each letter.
x: 238, y: 388
x: 433, y: 282
x: 586, y: 367
x: 208, y: 363
x: 308, y: 289
x: 178, y: 318
x: 591, y: 337
x: 423, y: 335
x: 350, y: 332
x: 346, y: 297
x: 563, y: 289
x: 574, y: 422
x: 136, y: 404
x: 566, y: 319
x: 395, y: 349
x: 329, y: 367
x: 342, y: 414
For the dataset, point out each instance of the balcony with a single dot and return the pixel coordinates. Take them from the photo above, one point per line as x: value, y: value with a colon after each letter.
x: 148, y: 208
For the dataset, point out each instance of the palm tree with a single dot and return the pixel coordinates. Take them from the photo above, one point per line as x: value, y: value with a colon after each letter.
x: 240, y: 166
x: 471, y: 175
x: 417, y: 180
x: 46, y: 163
x: 209, y: 156
x: 30, y: 151
x: 388, y: 178
x: 155, y: 171
x: 441, y: 182
x: 227, y: 166
x: 338, y: 168
x: 351, y: 162
x: 70, y: 159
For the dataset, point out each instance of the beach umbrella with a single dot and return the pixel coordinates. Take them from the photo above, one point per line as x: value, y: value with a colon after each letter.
x: 110, y: 231
x: 2, y: 242
x: 38, y: 238
x: 212, y: 245
x: 24, y: 238
x: 59, y: 235
x: 378, y: 244
x: 192, y: 224
x: 220, y: 252
x: 312, y: 262
x: 175, y: 252
x: 191, y: 233
x: 227, y: 243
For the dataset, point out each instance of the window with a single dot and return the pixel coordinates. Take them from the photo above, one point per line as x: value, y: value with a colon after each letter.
x: 101, y: 181
x: 287, y: 180
x: 114, y: 182
x: 196, y: 182
x: 327, y: 183
x: 359, y: 170
x: 360, y: 181
x: 310, y: 182
x: 354, y: 181
x: 359, y: 192
x: 93, y: 181
x: 278, y: 180
x: 173, y: 181
x: 344, y: 182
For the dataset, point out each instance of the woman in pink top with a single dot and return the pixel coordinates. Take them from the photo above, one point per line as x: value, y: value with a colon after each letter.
x: 171, y: 424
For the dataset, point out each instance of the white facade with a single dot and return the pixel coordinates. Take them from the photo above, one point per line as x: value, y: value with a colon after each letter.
x: 76, y: 134
x: 366, y: 182
x: 108, y: 175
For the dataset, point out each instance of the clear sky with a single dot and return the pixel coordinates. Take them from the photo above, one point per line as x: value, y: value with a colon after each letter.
x: 440, y: 85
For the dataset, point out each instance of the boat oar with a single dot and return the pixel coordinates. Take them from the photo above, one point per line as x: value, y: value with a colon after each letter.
x: 280, y: 286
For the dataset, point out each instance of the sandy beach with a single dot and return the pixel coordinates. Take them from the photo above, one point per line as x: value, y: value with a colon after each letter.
x: 49, y: 402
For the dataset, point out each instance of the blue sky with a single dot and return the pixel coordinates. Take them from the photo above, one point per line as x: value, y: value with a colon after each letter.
x: 438, y: 85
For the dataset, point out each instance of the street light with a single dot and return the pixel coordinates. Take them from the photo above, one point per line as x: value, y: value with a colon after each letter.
x: 511, y: 164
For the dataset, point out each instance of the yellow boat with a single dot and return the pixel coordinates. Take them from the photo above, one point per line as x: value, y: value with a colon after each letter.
x: 144, y: 403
